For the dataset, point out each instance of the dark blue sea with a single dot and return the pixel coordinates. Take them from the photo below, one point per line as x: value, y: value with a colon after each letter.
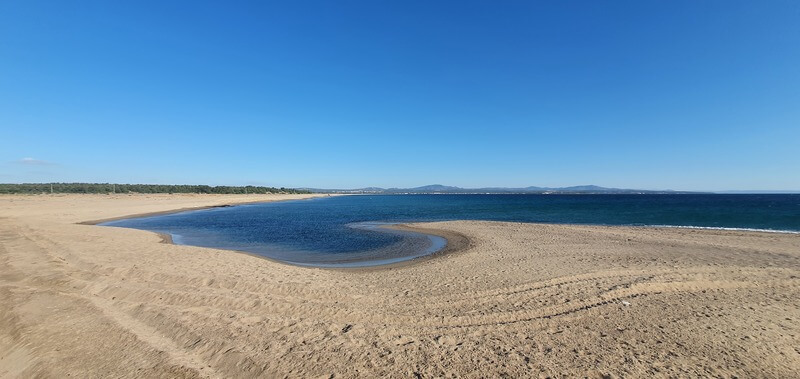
x: 349, y: 230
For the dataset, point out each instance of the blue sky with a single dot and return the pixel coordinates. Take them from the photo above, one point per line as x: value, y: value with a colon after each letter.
x: 691, y: 95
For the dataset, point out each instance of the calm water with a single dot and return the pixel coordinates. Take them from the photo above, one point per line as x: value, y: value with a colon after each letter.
x: 347, y: 230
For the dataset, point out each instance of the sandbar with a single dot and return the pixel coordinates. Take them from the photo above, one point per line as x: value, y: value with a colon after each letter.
x: 513, y: 299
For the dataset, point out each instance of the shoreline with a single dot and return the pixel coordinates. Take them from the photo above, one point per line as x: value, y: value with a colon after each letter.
x: 516, y: 300
x: 166, y: 238
x: 455, y: 242
x: 190, y: 209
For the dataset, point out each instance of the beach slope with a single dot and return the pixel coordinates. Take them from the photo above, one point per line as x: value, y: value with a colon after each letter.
x: 522, y: 300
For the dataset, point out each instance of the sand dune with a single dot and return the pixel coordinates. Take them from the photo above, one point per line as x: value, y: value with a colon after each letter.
x: 518, y: 300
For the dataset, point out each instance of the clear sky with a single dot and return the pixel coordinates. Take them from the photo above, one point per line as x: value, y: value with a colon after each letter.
x: 690, y: 95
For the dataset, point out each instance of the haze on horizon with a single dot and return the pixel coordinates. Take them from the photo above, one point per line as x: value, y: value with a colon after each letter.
x: 676, y: 95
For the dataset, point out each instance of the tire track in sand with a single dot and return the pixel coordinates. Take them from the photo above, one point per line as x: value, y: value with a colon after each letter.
x: 58, y: 279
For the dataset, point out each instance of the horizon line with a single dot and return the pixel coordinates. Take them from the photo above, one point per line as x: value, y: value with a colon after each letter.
x: 361, y: 188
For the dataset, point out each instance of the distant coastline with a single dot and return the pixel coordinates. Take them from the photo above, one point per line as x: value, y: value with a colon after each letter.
x: 37, y: 188
x: 111, y: 188
x: 442, y: 189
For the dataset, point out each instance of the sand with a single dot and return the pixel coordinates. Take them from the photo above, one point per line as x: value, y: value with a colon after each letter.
x: 516, y: 300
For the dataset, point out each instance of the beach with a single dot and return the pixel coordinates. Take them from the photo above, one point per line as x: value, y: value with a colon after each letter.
x: 505, y: 299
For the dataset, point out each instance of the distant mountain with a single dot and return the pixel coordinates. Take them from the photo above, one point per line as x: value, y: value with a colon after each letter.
x: 762, y: 192
x: 441, y: 189
x: 433, y: 188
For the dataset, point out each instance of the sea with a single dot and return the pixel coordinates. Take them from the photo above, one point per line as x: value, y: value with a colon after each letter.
x: 354, y: 231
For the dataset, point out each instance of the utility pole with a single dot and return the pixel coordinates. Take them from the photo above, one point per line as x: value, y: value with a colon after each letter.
x: 51, y: 188
x: 113, y: 188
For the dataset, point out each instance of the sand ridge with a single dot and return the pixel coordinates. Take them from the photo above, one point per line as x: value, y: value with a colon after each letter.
x: 519, y: 300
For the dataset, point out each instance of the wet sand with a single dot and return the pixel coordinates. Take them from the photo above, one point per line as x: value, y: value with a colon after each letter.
x: 521, y: 300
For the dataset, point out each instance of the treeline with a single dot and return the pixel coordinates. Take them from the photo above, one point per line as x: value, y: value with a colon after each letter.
x: 35, y: 188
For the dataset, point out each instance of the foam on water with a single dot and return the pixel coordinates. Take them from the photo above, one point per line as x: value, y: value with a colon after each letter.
x: 723, y: 228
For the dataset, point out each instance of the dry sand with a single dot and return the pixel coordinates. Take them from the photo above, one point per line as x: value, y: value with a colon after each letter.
x: 520, y: 300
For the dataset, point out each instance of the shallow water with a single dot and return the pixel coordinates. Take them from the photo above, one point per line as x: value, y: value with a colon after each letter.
x: 346, y: 231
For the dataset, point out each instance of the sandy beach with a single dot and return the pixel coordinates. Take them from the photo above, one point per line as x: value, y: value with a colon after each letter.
x: 514, y: 300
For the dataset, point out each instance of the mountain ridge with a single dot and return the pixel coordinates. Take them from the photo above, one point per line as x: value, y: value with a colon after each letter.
x: 443, y: 189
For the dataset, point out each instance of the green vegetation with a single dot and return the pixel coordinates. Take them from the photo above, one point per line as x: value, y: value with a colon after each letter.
x: 35, y: 188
